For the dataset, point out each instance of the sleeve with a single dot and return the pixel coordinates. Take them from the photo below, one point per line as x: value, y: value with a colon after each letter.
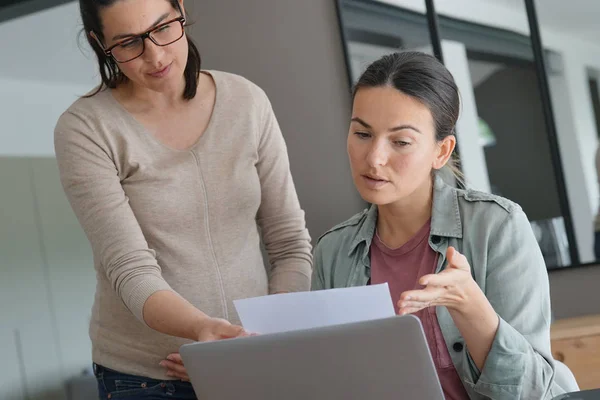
x: 91, y: 183
x: 519, y: 364
x: 280, y: 217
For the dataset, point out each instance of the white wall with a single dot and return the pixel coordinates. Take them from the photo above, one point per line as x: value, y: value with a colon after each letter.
x: 47, y: 284
x: 70, y: 277
x: 42, y: 72
x: 575, y: 119
x: 23, y: 294
x: 29, y: 110
x: 47, y: 279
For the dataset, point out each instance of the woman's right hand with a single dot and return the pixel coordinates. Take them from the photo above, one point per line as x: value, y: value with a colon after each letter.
x: 217, y: 329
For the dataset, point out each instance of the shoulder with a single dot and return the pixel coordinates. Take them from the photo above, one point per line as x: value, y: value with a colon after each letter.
x: 89, y: 122
x: 466, y: 207
x: 84, y: 110
x: 343, y: 232
x: 490, y: 203
x: 497, y: 213
x: 237, y: 85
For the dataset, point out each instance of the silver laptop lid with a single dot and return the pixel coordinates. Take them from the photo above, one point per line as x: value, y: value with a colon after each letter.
x: 381, y: 359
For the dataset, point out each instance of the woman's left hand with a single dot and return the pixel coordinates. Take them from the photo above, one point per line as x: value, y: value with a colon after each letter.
x: 451, y: 288
x: 175, y: 367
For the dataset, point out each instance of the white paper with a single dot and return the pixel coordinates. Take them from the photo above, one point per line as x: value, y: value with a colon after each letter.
x: 304, y: 310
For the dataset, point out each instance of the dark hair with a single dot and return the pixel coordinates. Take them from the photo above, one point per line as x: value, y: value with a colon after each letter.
x: 423, y: 77
x: 109, y: 70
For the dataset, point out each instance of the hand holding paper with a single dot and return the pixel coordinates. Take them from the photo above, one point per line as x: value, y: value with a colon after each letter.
x: 304, y: 310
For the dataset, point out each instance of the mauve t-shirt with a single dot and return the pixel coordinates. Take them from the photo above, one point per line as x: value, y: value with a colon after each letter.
x: 401, y: 268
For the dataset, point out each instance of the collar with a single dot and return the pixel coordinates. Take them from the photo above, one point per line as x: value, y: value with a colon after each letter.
x: 445, y: 217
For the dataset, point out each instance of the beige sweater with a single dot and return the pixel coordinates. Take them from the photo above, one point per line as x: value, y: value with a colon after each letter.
x: 189, y: 221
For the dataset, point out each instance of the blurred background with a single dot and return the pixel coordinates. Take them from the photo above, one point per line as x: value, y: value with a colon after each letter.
x: 529, y: 132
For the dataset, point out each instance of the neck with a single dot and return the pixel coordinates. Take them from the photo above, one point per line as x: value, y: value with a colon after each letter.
x: 151, y: 99
x: 398, y: 222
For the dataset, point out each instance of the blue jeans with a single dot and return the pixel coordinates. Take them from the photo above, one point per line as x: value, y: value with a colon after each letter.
x: 115, y: 385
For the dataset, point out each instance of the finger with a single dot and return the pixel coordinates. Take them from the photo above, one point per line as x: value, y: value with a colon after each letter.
x: 450, y: 252
x: 175, y: 370
x: 439, y: 279
x: 175, y: 357
x: 245, y: 333
x: 405, y: 311
x: 454, y: 277
x: 445, y: 278
x: 416, y: 304
x: 183, y: 377
x: 173, y: 367
x: 424, y: 295
x: 456, y: 259
x: 231, y: 331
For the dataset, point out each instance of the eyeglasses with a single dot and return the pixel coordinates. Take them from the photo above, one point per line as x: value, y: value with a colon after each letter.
x: 161, y: 35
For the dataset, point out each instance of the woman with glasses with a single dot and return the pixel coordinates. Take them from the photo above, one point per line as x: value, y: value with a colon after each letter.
x: 176, y: 175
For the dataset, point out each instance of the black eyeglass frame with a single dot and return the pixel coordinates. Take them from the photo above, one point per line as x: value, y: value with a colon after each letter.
x: 143, y: 36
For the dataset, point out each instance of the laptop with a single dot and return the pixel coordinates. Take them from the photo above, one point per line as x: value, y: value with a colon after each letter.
x: 592, y: 394
x: 378, y: 359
